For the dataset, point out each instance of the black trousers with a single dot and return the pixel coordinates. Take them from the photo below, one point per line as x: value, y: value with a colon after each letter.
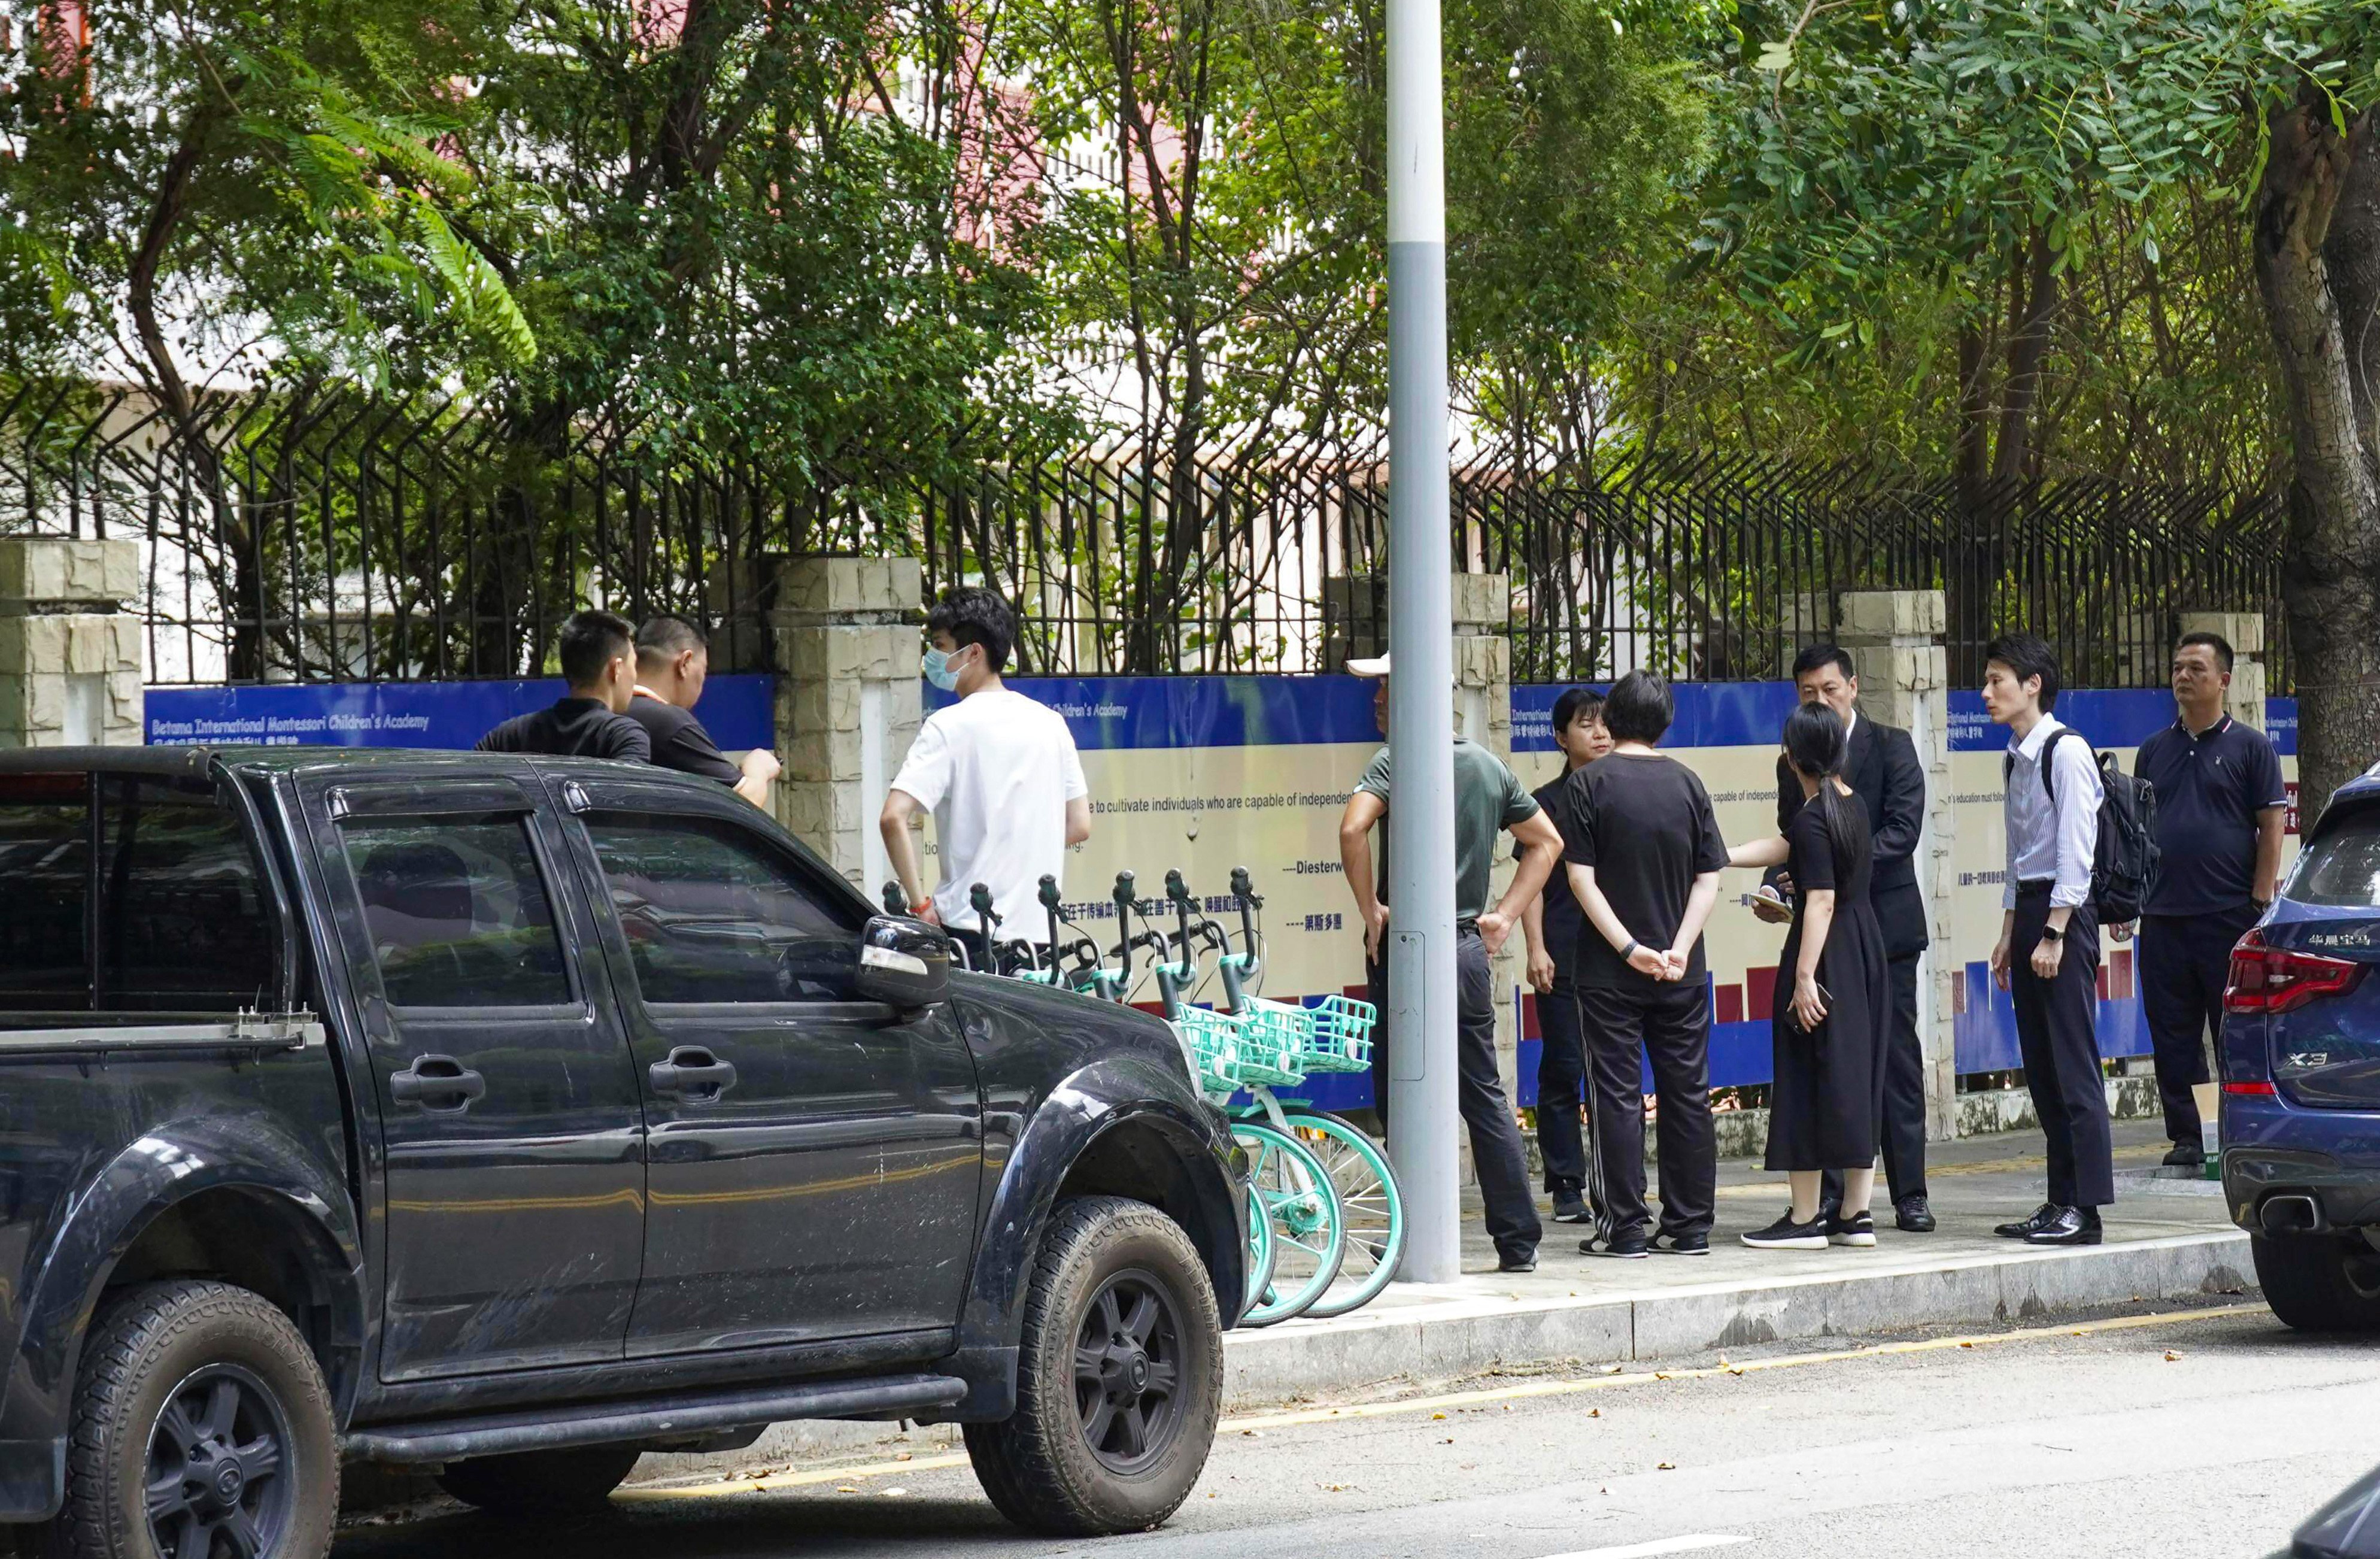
x: 2185, y: 961
x: 1496, y: 1155
x: 2057, y: 1031
x: 1561, y: 1089
x: 1904, y: 1092
x: 1669, y: 1026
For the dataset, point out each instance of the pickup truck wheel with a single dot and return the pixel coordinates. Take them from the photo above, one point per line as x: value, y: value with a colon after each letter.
x: 2320, y: 1282
x: 202, y: 1426
x: 1118, y: 1381
x: 529, y: 1484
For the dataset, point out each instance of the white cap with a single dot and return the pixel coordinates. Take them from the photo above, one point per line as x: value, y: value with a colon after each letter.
x: 1375, y: 667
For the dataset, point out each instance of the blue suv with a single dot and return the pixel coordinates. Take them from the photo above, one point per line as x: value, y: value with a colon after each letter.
x: 2301, y: 1062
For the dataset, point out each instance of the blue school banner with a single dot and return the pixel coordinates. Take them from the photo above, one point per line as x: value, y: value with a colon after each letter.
x: 739, y: 710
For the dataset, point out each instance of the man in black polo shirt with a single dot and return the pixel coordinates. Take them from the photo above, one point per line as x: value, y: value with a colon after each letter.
x: 597, y: 653
x: 673, y: 663
x: 2220, y: 802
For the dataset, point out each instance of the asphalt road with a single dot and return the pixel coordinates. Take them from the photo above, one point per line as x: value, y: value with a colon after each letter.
x: 2208, y: 1433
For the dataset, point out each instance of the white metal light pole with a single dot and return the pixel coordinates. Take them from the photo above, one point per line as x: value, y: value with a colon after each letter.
x: 1421, y: 645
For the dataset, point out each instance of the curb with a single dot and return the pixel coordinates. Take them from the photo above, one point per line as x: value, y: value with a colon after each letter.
x: 1461, y: 1337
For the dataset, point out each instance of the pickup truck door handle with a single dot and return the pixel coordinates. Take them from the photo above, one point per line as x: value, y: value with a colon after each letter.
x: 437, y: 1082
x: 692, y: 1072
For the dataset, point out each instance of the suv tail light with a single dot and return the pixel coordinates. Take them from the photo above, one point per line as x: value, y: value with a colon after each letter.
x: 2267, y: 979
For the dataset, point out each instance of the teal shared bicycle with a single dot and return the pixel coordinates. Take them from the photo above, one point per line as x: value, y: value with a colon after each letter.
x: 1326, y: 1225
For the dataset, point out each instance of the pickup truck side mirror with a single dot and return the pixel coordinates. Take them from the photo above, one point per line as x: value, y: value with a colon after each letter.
x: 903, y: 963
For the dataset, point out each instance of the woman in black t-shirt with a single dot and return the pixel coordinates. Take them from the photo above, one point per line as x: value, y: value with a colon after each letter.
x: 1826, y: 1103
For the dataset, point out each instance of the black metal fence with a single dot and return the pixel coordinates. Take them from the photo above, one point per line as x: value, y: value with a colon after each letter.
x: 315, y: 535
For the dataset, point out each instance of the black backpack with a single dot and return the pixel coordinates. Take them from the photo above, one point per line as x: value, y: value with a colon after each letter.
x: 2125, y: 866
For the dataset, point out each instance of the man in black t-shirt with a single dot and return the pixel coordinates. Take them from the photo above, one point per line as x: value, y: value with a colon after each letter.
x: 597, y: 652
x: 1644, y: 854
x: 673, y: 663
x: 1552, y: 924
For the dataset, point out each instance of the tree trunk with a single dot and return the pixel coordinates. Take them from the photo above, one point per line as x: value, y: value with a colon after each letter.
x: 2317, y: 231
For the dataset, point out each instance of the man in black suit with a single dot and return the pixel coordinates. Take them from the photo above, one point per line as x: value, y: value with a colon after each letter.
x: 1881, y: 764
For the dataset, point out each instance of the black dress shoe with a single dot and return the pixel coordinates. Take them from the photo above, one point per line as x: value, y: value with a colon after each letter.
x: 1517, y: 1261
x: 1912, y: 1215
x: 2186, y: 1155
x: 2023, y: 1227
x: 2074, y: 1225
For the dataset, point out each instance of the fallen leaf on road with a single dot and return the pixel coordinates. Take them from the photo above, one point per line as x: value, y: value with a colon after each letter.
x: 1971, y: 1345
x: 1667, y: 1466
x: 1735, y: 1369
x: 1594, y: 1412
x: 1437, y: 1415
x: 1334, y: 1488
x: 845, y: 1489
x: 1258, y: 1434
x: 903, y: 1456
x: 1446, y: 1442
x: 1611, y: 1369
x: 2171, y: 1357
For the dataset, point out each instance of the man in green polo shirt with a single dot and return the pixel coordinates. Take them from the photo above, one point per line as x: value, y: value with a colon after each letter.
x: 1489, y: 798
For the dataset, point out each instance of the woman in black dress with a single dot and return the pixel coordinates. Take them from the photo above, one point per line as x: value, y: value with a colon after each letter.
x: 1826, y: 1103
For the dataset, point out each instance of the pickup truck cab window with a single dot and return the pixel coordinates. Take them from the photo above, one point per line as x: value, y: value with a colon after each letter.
x: 812, y: 1159
x: 174, y: 919
x: 709, y: 918
x: 457, y: 912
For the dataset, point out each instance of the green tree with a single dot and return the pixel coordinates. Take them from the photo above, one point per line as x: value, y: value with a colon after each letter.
x: 1978, y: 151
x: 207, y: 191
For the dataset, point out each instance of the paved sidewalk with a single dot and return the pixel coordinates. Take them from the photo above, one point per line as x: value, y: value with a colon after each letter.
x: 2166, y: 1238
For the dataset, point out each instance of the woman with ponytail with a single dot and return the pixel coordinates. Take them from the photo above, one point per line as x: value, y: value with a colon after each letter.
x: 1826, y: 1103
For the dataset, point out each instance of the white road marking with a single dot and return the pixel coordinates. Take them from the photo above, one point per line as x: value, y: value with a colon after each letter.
x: 1664, y: 1545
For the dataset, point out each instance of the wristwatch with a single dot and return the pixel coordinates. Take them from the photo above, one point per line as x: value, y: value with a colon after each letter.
x: 2051, y: 933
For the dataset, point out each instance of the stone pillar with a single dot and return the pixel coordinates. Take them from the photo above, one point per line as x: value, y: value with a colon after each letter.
x: 70, y: 666
x: 2244, y: 631
x: 847, y: 701
x: 1895, y: 640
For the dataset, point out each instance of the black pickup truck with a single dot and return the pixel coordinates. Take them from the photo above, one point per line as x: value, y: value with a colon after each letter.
x: 511, y: 1117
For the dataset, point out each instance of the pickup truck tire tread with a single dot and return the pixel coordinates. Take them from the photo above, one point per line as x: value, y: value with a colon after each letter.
x: 1037, y: 1466
x: 147, y: 1342
x: 532, y: 1483
x: 2307, y: 1281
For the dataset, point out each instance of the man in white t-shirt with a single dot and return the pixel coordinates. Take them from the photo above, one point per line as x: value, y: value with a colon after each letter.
x: 998, y: 771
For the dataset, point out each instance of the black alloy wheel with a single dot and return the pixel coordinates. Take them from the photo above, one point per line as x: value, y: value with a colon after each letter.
x: 1128, y: 1373
x: 216, y: 1480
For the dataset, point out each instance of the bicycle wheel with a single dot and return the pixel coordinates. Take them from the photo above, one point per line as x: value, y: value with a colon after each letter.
x: 1262, y: 1253
x: 1375, y: 1211
x: 1310, y: 1234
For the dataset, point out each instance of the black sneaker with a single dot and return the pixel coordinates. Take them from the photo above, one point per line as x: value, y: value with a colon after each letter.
x: 1517, y: 1261
x: 1684, y: 1245
x: 1626, y: 1246
x: 2186, y: 1155
x: 1858, y: 1229
x: 1787, y: 1235
x: 1570, y: 1208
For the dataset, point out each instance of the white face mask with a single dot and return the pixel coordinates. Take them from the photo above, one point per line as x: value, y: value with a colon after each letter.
x: 937, y: 667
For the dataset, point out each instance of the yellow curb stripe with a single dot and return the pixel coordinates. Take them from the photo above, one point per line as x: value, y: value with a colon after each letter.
x: 1457, y: 1401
